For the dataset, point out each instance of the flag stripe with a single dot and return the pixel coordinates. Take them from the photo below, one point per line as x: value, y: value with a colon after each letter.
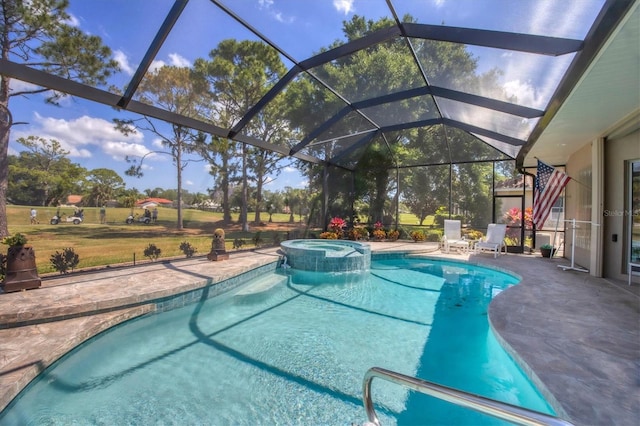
x: 548, y: 187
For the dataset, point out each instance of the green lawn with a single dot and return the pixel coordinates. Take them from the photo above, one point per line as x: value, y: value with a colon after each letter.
x: 117, y: 242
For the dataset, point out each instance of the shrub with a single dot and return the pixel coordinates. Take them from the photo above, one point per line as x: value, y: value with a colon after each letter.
x: 433, y: 237
x: 65, y: 261
x: 379, y: 234
x: 393, y: 235
x: 358, y: 233
x: 329, y: 235
x: 3, y: 265
x: 16, y: 240
x: 152, y: 252
x: 187, y: 249
x: 336, y: 226
x: 472, y: 234
x: 257, y: 239
x: 238, y: 243
x: 417, y: 236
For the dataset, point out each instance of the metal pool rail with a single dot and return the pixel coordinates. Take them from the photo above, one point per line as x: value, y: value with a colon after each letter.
x: 501, y: 410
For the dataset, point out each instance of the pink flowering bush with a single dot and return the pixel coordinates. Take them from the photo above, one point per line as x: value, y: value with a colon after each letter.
x: 512, y: 219
x: 337, y: 225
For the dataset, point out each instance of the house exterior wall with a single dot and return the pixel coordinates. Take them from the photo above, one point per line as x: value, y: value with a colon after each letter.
x: 578, y: 206
x: 618, y: 151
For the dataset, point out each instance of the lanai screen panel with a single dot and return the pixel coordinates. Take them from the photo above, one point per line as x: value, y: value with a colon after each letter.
x: 488, y: 68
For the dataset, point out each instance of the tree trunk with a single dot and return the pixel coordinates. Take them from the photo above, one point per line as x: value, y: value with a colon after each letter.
x: 224, y: 183
x: 258, y: 200
x: 5, y: 129
x: 179, y: 177
x: 245, y: 197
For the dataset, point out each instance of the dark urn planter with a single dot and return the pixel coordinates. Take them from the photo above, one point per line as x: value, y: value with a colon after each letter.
x: 546, y: 252
x: 21, y: 272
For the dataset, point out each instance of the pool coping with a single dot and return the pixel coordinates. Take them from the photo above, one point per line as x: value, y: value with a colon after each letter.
x: 36, y: 343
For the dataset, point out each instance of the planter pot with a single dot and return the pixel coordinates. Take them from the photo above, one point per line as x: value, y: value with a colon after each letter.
x: 21, y: 273
x: 546, y: 252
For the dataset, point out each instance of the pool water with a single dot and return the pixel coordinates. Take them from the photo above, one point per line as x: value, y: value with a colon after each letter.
x: 286, y: 349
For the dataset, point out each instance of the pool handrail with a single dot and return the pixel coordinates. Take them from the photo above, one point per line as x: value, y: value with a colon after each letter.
x: 501, y: 410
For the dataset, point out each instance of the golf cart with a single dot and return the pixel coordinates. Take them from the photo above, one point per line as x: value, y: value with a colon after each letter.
x: 76, y: 219
x: 146, y: 219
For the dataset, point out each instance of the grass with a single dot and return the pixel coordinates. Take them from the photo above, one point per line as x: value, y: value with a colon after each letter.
x: 116, y: 242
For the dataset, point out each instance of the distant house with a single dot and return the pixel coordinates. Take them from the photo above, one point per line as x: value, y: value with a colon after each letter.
x: 154, y: 202
x: 74, y: 200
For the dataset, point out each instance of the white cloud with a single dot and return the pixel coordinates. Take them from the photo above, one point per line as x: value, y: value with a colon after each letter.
x: 178, y: 61
x: 344, y: 6
x: 524, y: 92
x: 72, y: 21
x: 175, y: 60
x: 84, y: 135
x: 21, y: 86
x: 156, y: 64
x: 276, y: 14
x: 157, y: 143
x: 120, y: 150
x: 122, y: 60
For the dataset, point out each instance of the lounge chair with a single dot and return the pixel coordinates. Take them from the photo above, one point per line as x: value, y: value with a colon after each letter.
x: 494, y: 241
x: 453, y: 236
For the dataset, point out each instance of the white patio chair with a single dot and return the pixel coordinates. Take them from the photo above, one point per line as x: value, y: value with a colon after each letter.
x: 453, y: 236
x: 494, y: 241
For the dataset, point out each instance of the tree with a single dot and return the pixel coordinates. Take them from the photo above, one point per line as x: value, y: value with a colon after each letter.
x: 377, y: 71
x: 372, y: 180
x: 218, y: 152
x: 128, y: 197
x: 425, y: 189
x: 174, y: 89
x: 239, y: 74
x: 102, y: 186
x: 42, y: 175
x: 38, y: 33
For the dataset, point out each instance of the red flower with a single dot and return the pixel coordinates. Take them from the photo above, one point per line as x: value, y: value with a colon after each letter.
x: 337, y: 224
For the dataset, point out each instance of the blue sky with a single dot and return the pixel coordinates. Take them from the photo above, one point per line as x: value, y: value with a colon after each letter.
x: 300, y: 27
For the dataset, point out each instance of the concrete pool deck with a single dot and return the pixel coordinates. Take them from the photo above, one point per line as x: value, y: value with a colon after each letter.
x: 578, y: 336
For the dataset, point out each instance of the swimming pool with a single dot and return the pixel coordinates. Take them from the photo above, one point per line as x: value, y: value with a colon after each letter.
x: 293, y: 348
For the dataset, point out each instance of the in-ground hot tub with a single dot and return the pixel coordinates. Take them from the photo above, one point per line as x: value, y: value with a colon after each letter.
x: 327, y: 255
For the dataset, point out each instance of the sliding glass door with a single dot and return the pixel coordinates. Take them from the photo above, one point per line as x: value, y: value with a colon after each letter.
x: 633, y: 212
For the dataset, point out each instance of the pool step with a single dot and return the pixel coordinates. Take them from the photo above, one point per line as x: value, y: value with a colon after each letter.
x: 259, y: 288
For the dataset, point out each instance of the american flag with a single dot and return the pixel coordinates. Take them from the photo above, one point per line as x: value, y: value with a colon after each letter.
x: 548, y: 186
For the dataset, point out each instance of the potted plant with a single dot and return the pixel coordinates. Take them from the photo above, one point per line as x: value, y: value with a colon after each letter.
x: 547, y: 250
x: 21, y: 272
